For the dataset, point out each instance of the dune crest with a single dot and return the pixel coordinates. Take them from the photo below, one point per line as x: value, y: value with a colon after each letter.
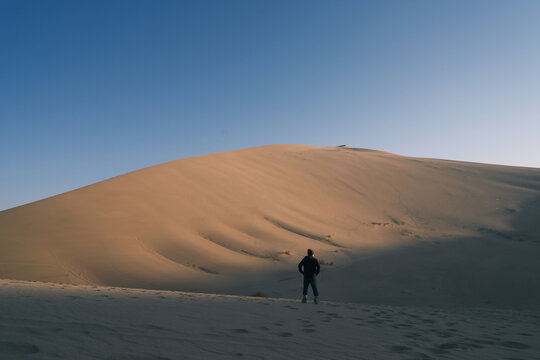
x: 235, y: 221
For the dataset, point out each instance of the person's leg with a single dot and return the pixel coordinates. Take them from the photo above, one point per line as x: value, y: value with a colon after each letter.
x: 304, y: 291
x: 314, y: 287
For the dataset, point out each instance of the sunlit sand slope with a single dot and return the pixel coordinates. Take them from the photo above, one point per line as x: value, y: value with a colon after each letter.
x: 387, y: 228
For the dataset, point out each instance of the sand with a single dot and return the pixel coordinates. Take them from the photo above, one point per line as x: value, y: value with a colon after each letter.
x: 421, y: 259
x: 54, y: 321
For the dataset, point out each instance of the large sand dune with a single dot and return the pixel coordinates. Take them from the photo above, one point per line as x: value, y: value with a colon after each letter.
x: 388, y: 229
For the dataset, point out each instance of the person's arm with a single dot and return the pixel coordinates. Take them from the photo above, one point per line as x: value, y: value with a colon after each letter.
x: 317, y: 267
x: 300, y: 266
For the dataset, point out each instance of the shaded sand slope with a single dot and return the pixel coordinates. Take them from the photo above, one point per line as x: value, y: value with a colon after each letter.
x: 392, y: 229
x: 51, y: 321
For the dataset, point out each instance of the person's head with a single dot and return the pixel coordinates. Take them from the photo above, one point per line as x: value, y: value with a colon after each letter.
x: 310, y: 252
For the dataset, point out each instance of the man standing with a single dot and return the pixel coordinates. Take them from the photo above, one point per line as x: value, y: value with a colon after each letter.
x: 309, y: 266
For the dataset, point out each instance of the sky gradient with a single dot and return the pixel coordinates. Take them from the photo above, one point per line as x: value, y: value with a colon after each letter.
x: 93, y: 89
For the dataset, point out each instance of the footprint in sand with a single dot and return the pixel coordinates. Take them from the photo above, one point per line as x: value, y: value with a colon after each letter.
x: 515, y: 345
x: 419, y: 356
x: 285, y: 334
x: 448, y: 346
x: 335, y: 316
x: 138, y: 357
x: 17, y: 348
x: 444, y: 347
x: 438, y: 351
x: 401, y: 326
x: 484, y: 342
x: 473, y: 345
x: 152, y: 327
x: 441, y: 333
x: 398, y: 348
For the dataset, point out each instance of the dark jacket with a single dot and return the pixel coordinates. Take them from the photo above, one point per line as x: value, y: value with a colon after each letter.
x: 310, y: 266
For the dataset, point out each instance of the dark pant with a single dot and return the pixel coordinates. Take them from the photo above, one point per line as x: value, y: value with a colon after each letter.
x: 313, y: 282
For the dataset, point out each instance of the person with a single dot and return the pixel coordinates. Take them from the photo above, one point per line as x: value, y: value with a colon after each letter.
x: 309, y: 267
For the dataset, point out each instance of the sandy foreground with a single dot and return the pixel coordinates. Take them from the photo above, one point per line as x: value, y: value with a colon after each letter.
x: 58, y: 321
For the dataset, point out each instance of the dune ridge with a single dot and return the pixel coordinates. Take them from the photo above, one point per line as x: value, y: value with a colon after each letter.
x: 236, y: 222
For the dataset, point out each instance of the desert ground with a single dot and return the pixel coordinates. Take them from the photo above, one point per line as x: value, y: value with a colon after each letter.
x: 421, y: 259
x: 57, y: 321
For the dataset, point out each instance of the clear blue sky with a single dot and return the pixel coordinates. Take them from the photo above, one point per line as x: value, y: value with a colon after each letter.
x: 94, y: 89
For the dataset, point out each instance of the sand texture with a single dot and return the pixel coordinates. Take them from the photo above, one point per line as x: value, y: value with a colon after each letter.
x: 388, y: 229
x: 52, y: 321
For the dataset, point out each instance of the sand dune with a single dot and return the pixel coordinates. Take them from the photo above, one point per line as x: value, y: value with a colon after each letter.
x: 389, y: 229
